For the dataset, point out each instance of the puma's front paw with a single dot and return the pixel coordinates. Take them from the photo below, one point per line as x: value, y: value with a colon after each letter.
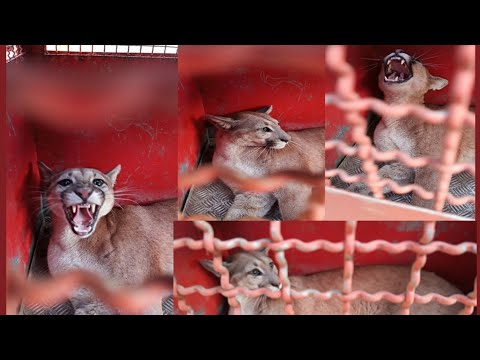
x: 360, y: 188
x: 93, y: 309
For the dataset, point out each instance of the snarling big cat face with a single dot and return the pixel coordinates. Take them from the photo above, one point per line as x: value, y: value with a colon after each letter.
x: 251, y: 270
x: 403, y: 74
x: 252, y: 128
x: 81, y: 196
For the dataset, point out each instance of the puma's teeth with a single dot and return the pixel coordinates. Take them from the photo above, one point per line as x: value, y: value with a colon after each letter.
x: 402, y: 62
x: 389, y: 61
x: 386, y: 79
x: 74, y: 209
x: 396, y: 78
x: 93, y: 206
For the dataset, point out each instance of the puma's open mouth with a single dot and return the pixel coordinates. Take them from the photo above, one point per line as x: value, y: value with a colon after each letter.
x: 397, y: 69
x: 82, y: 218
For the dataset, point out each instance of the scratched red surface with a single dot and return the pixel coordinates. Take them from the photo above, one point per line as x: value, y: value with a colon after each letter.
x: 190, y: 128
x: 460, y: 270
x: 22, y: 180
x: 362, y: 57
x: 145, y: 145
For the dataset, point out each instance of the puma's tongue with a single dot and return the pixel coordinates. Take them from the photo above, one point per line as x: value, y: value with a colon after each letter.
x: 82, y: 216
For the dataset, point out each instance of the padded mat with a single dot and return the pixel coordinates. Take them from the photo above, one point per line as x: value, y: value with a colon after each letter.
x: 462, y: 184
x: 215, y: 199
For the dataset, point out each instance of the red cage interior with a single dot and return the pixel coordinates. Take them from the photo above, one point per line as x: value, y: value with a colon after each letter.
x: 439, y: 61
x: 142, y: 138
x: 224, y: 79
x: 460, y: 270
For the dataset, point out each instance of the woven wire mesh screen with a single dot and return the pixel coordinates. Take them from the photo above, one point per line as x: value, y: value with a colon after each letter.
x: 13, y: 52
x: 277, y: 245
x: 457, y: 116
x: 160, y: 51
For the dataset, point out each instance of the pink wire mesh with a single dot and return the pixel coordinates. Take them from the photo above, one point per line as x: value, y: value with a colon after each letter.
x: 277, y: 244
x: 52, y: 291
x: 348, y: 100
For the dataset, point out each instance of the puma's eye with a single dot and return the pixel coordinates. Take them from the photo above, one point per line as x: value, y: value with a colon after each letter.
x: 98, y: 182
x: 65, y: 182
x: 266, y: 129
x: 255, y: 272
x: 271, y: 265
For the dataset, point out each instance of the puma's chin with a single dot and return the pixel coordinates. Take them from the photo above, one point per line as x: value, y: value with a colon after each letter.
x: 82, y: 218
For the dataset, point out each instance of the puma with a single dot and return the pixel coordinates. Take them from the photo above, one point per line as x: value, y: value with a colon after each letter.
x: 124, y: 246
x: 405, y: 80
x: 254, y: 270
x: 254, y: 144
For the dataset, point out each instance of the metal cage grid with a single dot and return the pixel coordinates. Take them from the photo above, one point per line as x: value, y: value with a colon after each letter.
x: 278, y: 245
x: 349, y: 101
x: 156, y: 51
x: 13, y: 52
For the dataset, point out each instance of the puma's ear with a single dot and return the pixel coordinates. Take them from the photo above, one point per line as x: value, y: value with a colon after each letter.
x: 437, y: 83
x: 264, y: 251
x: 45, y: 172
x: 221, y: 122
x: 112, y: 174
x: 208, y: 264
x: 265, y: 110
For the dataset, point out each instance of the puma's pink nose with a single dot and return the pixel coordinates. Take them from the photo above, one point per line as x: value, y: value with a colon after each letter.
x: 83, y: 193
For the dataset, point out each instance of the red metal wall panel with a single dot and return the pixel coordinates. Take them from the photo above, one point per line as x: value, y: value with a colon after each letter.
x: 22, y: 191
x: 141, y: 135
x: 190, y: 124
x: 297, y: 97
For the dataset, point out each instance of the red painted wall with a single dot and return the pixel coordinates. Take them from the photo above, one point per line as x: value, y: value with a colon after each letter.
x: 460, y: 270
x: 439, y: 58
x: 190, y: 125
x: 22, y: 190
x: 67, y: 102
x: 297, y: 97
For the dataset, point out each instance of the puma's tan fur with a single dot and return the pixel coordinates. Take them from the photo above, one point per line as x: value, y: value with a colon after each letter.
x: 410, y: 135
x: 254, y: 144
x: 127, y: 246
x: 371, y: 279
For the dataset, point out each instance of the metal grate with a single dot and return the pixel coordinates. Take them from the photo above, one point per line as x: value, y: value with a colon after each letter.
x: 162, y: 51
x: 349, y: 101
x: 13, y: 52
x: 277, y: 244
